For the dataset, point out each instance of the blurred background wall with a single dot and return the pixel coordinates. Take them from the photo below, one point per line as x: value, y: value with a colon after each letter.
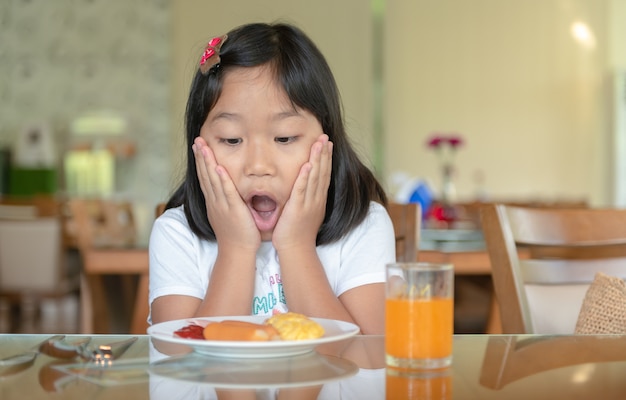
x: 528, y: 84
x: 63, y: 59
x: 534, y: 103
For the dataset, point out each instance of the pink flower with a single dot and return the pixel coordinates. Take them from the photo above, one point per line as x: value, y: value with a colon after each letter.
x: 455, y: 141
x: 435, y: 141
x: 440, y: 139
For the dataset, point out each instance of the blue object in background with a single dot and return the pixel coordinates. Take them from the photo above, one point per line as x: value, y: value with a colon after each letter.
x: 416, y: 191
x: 422, y: 195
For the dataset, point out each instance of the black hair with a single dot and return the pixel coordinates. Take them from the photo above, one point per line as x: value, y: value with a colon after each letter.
x: 302, y: 71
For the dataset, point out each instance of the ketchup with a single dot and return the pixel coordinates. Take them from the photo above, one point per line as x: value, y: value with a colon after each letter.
x: 192, y: 331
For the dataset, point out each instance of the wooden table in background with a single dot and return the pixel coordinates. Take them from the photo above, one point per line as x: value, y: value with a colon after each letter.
x: 468, y: 263
x: 96, y: 315
x: 465, y: 249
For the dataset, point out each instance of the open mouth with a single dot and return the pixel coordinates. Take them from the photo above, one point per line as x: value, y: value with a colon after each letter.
x: 265, y: 213
x: 263, y: 205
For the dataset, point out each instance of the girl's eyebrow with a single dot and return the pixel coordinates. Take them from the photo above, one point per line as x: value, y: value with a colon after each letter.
x: 276, y: 117
x: 286, y: 114
x: 226, y: 115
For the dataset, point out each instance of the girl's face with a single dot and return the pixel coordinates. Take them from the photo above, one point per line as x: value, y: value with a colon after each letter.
x: 262, y: 141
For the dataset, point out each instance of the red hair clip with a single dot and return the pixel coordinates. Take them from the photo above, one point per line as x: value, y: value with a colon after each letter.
x: 211, y: 56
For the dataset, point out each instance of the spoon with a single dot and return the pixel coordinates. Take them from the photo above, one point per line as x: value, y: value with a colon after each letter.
x: 64, y: 349
x: 14, y: 364
x: 54, y: 346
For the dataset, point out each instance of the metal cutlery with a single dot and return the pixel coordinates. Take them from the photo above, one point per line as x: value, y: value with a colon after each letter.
x: 106, y: 353
x: 58, y: 347
x: 17, y: 363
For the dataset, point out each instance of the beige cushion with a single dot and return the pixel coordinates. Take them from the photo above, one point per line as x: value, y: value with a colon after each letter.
x: 604, y: 308
x: 554, y: 309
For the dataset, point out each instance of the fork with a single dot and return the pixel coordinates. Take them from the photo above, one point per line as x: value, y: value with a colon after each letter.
x: 104, y: 354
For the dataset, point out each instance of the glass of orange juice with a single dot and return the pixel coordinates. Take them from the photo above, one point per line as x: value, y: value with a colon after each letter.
x: 419, y: 315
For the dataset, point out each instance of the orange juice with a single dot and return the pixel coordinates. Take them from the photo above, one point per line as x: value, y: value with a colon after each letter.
x: 405, y: 387
x: 419, y: 328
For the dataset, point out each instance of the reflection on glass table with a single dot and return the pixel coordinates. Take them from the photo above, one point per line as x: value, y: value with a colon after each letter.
x: 484, y: 367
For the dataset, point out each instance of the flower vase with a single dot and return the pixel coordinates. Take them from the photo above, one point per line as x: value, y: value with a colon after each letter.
x: 448, y: 194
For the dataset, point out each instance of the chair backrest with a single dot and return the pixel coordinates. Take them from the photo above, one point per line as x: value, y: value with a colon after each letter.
x: 406, y: 224
x: 31, y: 250
x: 564, y: 248
x: 102, y: 223
x: 159, y: 209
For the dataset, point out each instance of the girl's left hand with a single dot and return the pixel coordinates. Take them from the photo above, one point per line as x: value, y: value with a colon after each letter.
x: 304, y: 212
x: 230, y: 218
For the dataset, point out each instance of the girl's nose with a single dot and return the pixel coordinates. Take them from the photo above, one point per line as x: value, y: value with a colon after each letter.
x: 260, y: 160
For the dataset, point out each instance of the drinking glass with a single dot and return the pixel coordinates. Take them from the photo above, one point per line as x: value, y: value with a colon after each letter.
x: 419, y: 315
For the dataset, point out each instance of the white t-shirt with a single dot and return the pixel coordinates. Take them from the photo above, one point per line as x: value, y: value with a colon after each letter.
x: 181, y: 263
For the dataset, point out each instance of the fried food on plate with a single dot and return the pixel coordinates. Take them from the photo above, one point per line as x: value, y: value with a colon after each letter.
x: 294, y: 326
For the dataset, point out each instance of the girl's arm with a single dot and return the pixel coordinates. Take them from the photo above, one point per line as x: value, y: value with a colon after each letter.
x: 231, y: 284
x: 359, y: 277
x: 307, y: 289
x: 180, y: 263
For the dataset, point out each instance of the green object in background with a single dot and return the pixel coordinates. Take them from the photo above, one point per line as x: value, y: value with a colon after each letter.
x: 32, y: 181
x: 5, y: 161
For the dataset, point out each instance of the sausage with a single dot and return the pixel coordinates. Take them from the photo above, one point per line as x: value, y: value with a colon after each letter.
x: 239, y: 330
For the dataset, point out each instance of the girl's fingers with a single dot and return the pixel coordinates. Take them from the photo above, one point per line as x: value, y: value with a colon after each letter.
x: 215, y: 182
x: 228, y: 190
x: 326, y: 165
x: 210, y: 181
x: 201, y: 171
x: 318, y: 179
x: 230, y: 218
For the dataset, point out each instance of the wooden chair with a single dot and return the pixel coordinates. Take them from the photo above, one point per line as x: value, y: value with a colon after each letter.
x: 101, y: 260
x: 510, y: 358
x: 543, y: 293
x: 406, y: 220
x: 33, y: 264
x: 160, y: 209
x: 112, y: 223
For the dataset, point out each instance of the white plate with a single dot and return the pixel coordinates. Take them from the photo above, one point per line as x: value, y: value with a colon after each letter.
x: 333, y: 331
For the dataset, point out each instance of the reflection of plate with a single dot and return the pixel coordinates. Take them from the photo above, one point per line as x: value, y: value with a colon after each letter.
x: 292, y: 371
x: 333, y: 331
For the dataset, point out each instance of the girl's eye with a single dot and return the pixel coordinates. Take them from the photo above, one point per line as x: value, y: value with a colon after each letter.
x: 285, y: 139
x: 232, y: 141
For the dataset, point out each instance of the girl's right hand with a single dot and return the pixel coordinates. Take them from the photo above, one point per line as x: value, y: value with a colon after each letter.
x: 231, y: 220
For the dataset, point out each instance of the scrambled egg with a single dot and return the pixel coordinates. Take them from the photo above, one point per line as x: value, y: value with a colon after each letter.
x: 294, y: 326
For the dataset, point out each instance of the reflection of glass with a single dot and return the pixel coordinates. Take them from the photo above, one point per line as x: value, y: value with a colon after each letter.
x: 407, y: 385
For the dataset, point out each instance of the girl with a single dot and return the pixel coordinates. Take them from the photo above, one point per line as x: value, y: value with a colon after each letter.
x: 275, y: 213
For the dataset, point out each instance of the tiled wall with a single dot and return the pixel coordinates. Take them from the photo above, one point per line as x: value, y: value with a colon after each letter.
x: 62, y: 58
